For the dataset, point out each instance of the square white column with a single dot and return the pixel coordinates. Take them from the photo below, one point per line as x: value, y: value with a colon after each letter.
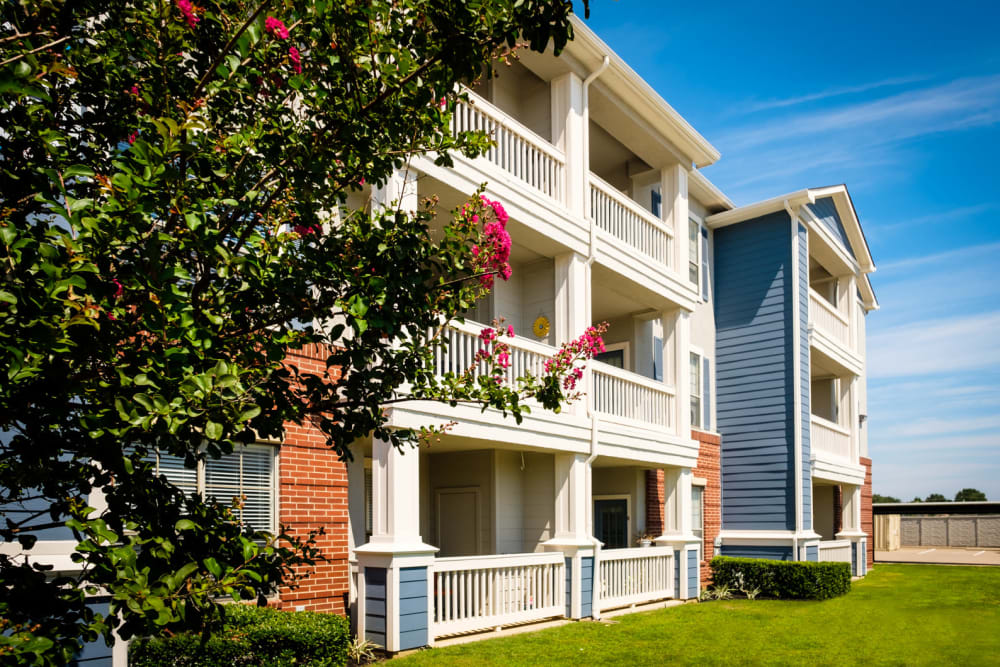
x: 572, y: 536
x: 674, y: 212
x: 677, y: 528
x: 569, y: 134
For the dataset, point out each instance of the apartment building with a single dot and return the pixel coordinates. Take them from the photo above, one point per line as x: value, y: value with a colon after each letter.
x: 727, y: 414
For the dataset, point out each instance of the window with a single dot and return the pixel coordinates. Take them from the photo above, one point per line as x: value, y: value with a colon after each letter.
x: 615, y: 354
x: 696, y: 390
x: 247, y: 474
x: 694, y: 252
x: 698, y: 518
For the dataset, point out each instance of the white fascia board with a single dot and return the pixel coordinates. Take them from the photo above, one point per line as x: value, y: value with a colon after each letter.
x: 706, y: 192
x: 751, y: 211
x: 848, y: 215
x: 661, y: 114
x: 868, y: 294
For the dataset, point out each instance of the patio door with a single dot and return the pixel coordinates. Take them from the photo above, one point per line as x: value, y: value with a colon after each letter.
x: 611, y: 522
x: 458, y: 521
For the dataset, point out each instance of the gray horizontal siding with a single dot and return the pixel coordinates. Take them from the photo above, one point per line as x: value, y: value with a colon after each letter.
x: 587, y: 586
x: 692, y: 582
x: 413, y: 617
x: 754, y: 372
x: 769, y: 552
x: 375, y: 597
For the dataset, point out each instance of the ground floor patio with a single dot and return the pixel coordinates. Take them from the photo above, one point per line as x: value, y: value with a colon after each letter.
x: 898, y: 614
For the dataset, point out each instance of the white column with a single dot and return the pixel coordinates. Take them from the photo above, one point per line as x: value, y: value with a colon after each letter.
x: 850, y: 525
x: 573, y: 522
x: 674, y: 211
x: 395, y: 546
x: 399, y: 191
x: 677, y: 341
x: 677, y: 525
x: 569, y: 134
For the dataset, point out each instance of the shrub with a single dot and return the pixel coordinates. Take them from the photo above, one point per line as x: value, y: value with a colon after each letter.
x: 253, y: 636
x: 783, y: 579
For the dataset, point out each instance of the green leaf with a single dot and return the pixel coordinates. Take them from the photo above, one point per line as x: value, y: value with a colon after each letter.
x: 213, y: 430
x: 185, y: 524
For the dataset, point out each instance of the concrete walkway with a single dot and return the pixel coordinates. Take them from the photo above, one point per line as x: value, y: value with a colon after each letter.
x: 941, y: 555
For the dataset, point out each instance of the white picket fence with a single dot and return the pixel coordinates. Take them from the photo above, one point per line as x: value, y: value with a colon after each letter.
x: 825, y: 317
x: 623, y: 218
x: 481, y: 592
x: 835, y: 551
x: 631, y: 398
x: 517, y: 150
x: 634, y: 576
x: 825, y: 436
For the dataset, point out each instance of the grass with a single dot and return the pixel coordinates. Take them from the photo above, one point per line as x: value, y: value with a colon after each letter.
x: 897, y: 615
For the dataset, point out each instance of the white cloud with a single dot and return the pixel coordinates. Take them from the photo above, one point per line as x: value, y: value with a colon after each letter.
x: 964, y: 254
x: 932, y: 346
x: 932, y: 426
x: 754, y: 107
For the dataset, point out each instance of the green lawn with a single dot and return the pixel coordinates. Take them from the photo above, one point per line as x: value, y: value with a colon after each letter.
x: 899, y: 614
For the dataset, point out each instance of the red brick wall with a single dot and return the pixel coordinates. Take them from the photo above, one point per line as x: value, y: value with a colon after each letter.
x: 313, y: 494
x: 708, y: 467
x: 867, y: 518
x: 709, y: 457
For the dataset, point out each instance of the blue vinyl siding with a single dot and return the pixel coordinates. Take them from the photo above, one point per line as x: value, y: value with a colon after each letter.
x: 569, y: 588
x: 804, y: 375
x: 812, y: 553
x: 754, y: 375
x: 854, y: 558
x: 375, y: 597
x: 826, y: 210
x: 692, y: 582
x: 413, y: 607
x: 677, y: 574
x: 587, y: 586
x: 771, y: 553
x: 96, y: 653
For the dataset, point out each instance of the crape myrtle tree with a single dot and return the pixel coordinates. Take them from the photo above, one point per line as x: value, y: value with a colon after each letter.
x: 173, y: 185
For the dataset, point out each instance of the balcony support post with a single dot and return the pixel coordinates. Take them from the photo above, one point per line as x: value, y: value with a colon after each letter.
x: 851, y: 528
x: 392, y: 565
x: 573, y: 510
x: 569, y: 134
x: 676, y: 349
x: 674, y: 212
x: 677, y: 531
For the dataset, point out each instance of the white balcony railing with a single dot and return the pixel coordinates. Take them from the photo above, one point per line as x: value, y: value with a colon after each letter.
x: 634, y: 576
x: 629, y: 222
x: 526, y: 356
x: 825, y: 317
x: 517, y: 150
x: 630, y: 397
x: 830, y: 438
x: 835, y: 551
x: 479, y: 592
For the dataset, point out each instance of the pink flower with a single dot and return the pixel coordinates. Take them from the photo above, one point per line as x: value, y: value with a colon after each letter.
x: 187, y: 10
x: 510, y: 330
x: 275, y: 27
x: 487, y: 335
x: 503, y: 360
x: 119, y: 290
x: 132, y: 137
x: 111, y: 316
x: 134, y: 90
x: 305, y: 230
x: 444, y: 103
x: 293, y: 55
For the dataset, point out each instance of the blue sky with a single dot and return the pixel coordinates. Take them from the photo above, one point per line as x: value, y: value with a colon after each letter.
x: 902, y: 105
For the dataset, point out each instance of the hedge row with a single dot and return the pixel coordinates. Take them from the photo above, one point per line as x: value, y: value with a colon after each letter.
x: 797, y: 580
x: 253, y: 636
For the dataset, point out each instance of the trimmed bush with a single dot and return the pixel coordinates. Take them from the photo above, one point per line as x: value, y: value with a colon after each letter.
x: 253, y: 636
x: 796, y: 580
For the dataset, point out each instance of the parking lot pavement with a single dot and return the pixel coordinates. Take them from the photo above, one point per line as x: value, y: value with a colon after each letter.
x: 944, y: 555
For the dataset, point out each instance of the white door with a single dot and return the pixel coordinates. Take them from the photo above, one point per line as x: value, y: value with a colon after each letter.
x: 458, y: 522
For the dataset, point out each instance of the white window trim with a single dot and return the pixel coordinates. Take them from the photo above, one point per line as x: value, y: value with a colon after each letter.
x: 697, y: 251
x: 628, y: 511
x: 614, y: 347
x: 701, y: 388
x: 702, y: 485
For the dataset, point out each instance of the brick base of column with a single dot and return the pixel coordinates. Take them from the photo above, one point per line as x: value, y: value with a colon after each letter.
x: 867, y: 518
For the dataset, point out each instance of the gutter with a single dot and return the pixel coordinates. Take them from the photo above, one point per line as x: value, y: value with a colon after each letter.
x: 590, y: 260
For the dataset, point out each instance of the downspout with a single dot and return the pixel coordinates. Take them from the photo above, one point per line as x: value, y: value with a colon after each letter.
x: 591, y: 414
x: 796, y: 397
x: 586, y: 161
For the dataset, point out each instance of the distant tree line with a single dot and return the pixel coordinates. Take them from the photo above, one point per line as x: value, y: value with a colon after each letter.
x: 961, y: 496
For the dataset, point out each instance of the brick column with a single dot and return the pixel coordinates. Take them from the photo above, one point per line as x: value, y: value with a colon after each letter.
x: 867, y: 519
x: 312, y: 494
x: 709, y: 468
